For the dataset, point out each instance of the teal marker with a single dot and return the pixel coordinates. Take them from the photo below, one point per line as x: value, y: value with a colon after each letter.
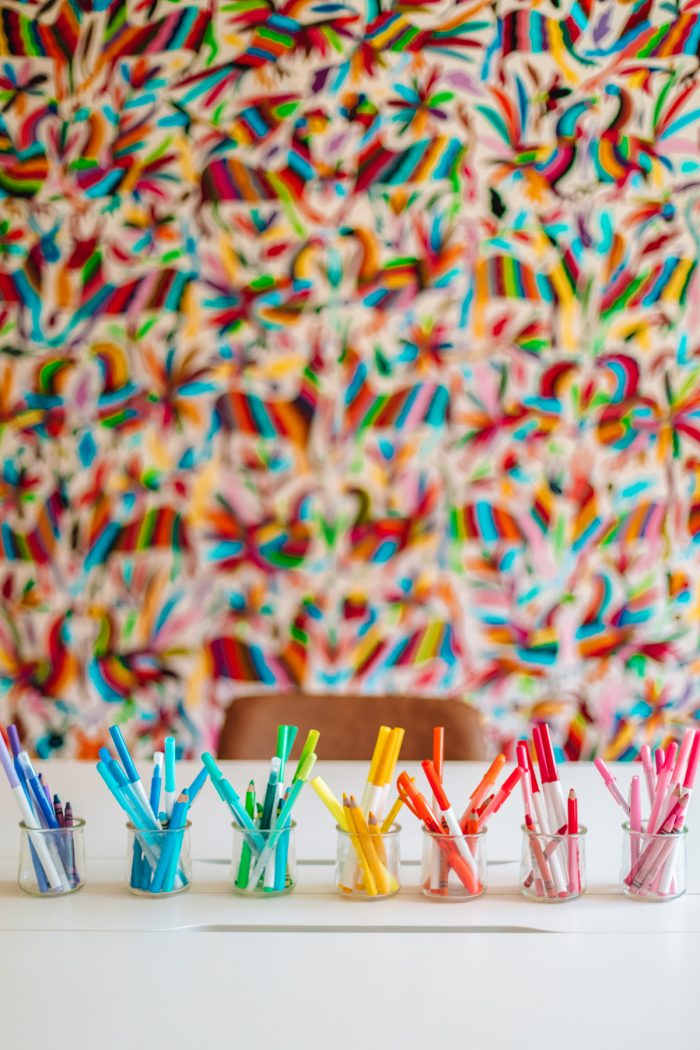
x: 229, y: 796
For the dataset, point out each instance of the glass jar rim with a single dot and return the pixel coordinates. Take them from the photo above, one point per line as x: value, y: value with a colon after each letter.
x: 261, y: 831
x: 78, y: 823
x: 452, y: 838
x: 582, y: 830
x: 656, y: 834
x: 157, y: 831
x: 393, y: 830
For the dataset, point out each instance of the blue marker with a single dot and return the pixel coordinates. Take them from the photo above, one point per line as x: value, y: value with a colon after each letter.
x: 154, y: 797
x: 164, y: 875
x: 197, y: 784
x: 48, y: 817
x: 126, y: 804
x: 170, y: 788
x: 123, y: 752
x: 130, y: 770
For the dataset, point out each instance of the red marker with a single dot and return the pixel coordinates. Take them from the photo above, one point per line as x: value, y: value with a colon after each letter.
x: 574, y: 871
x: 501, y: 795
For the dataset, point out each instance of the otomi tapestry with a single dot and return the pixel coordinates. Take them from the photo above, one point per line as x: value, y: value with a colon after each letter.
x: 349, y: 346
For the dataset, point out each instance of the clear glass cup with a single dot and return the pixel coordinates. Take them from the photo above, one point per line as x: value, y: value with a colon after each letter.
x: 158, y: 863
x: 52, y: 860
x: 279, y: 872
x: 368, y: 867
x: 453, y: 867
x: 553, y: 867
x: 654, y: 867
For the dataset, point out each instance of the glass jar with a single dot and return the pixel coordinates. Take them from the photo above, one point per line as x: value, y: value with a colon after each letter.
x: 553, y: 867
x: 52, y: 860
x: 278, y: 874
x: 368, y: 865
x: 654, y: 867
x: 159, y: 863
x: 454, y: 866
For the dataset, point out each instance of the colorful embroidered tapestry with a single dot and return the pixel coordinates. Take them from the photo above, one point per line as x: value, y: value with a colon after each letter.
x: 351, y: 346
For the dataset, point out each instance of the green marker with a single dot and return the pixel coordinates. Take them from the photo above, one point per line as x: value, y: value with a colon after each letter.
x: 244, y: 865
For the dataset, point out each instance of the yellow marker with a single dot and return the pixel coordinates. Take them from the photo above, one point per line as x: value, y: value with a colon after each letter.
x: 379, y: 748
x: 379, y: 872
x: 392, y: 755
x: 328, y: 798
x: 391, y: 816
x: 370, y: 884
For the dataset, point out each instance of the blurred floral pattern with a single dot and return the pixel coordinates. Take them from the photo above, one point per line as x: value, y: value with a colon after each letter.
x: 353, y: 346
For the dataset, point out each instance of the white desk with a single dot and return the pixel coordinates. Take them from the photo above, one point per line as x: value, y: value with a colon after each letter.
x: 312, y: 947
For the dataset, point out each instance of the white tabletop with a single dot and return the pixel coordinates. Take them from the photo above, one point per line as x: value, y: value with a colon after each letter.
x: 310, y: 938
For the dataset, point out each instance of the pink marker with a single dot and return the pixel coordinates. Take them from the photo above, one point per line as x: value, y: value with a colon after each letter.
x: 525, y: 785
x: 635, y: 812
x: 662, y: 788
x: 649, y: 774
x: 611, y: 784
x: 659, y: 759
x: 537, y: 800
x: 692, y: 768
x: 683, y: 755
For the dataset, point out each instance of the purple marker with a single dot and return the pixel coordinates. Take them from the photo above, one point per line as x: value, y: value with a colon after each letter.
x: 13, y: 737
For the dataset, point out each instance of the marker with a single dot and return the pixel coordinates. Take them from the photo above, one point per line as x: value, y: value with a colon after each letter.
x: 450, y: 818
x: 372, y: 788
x: 170, y: 786
x: 635, y: 812
x: 501, y: 795
x: 329, y: 800
x: 543, y: 808
x: 661, y: 789
x: 197, y: 784
x: 525, y: 784
x: 300, y: 777
x: 572, y: 842
x: 244, y: 864
x: 612, y: 785
x: 130, y: 770
x: 56, y: 878
x: 13, y: 737
x: 48, y: 817
x: 552, y: 789
x: 229, y: 796
x: 270, y: 792
x: 164, y: 876
x: 649, y: 774
x: 659, y: 758
x: 484, y: 786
